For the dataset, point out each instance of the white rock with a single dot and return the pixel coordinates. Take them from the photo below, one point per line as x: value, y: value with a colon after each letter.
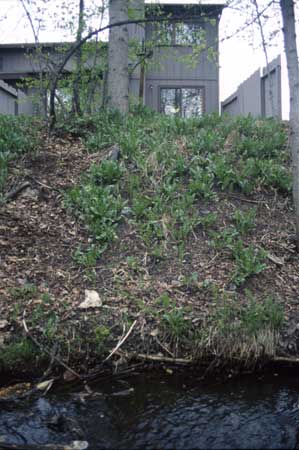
x: 3, y: 324
x: 92, y: 300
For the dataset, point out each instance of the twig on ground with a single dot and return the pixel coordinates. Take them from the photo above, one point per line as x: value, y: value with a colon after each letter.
x: 165, y: 359
x: 74, y: 445
x: 43, y: 184
x: 247, y: 200
x: 44, y: 349
x: 121, y: 342
x: 164, y: 347
x: 11, y: 195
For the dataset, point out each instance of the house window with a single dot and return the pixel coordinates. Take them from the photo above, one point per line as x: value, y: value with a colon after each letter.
x: 183, y: 102
x: 179, y: 33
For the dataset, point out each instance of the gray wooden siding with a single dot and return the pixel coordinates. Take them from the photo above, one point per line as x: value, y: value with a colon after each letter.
x: 168, y: 68
x: 253, y: 96
x: 19, y: 61
x: 8, y: 99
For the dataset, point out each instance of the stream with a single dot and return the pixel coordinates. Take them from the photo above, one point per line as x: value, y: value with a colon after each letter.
x: 162, y: 411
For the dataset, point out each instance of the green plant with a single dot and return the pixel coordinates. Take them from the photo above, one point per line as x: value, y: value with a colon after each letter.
x: 16, y: 353
x: 175, y: 323
x: 24, y: 292
x: 261, y: 313
x: 89, y: 257
x: 101, y: 334
x: 164, y: 300
x: 224, y: 238
x: 106, y: 173
x: 190, y: 281
x: 249, y: 261
x: 99, y: 207
x: 232, y: 318
x: 244, y: 221
x: 201, y: 183
x: 18, y: 135
x: 208, y: 220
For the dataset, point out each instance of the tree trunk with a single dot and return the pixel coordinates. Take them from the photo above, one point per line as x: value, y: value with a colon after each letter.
x: 289, y: 33
x: 76, y: 107
x: 118, y: 74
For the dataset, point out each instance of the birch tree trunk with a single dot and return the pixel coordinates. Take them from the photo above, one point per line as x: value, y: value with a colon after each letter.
x: 118, y: 74
x: 289, y: 33
x: 76, y: 107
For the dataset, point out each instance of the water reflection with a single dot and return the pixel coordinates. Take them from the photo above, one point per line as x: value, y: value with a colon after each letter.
x: 150, y: 412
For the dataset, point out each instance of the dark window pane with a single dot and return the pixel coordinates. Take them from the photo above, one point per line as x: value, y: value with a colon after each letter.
x: 192, y: 102
x: 184, y: 102
x: 170, y: 101
x: 187, y: 34
x: 164, y: 33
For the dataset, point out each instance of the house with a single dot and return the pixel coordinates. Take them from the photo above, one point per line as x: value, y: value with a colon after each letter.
x: 20, y: 62
x: 178, y: 71
x: 181, y: 76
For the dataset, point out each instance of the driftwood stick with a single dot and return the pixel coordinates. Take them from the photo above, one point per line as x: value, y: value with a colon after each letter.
x: 44, y: 349
x: 122, y: 341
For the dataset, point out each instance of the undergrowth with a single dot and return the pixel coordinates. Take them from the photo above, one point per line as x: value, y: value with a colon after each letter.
x: 170, y: 166
x: 18, y: 135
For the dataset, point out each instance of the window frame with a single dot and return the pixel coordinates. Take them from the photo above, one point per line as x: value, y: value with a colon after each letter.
x: 173, y: 33
x: 183, y: 86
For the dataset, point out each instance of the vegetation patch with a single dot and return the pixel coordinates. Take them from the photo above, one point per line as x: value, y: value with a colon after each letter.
x: 18, y: 135
x: 180, y: 229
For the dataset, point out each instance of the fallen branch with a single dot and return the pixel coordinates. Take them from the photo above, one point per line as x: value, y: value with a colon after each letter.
x: 43, y: 184
x: 165, y: 359
x: 11, y: 195
x: 121, y: 342
x: 79, y: 445
x: 247, y: 200
x: 44, y: 349
x: 285, y: 359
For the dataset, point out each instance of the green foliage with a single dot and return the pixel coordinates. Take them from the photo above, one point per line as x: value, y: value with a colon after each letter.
x: 175, y: 323
x: 224, y: 238
x: 168, y: 166
x: 249, y: 261
x: 231, y: 318
x: 25, y: 292
x: 100, y: 207
x: 259, y: 314
x: 106, y: 173
x: 15, y: 353
x: 101, y: 334
x: 87, y: 258
x: 244, y: 221
x: 201, y: 183
x: 18, y: 135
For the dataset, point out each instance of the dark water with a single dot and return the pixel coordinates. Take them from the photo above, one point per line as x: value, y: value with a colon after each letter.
x: 169, y: 411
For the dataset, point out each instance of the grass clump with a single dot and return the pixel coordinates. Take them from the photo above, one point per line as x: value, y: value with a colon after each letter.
x: 242, y: 332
